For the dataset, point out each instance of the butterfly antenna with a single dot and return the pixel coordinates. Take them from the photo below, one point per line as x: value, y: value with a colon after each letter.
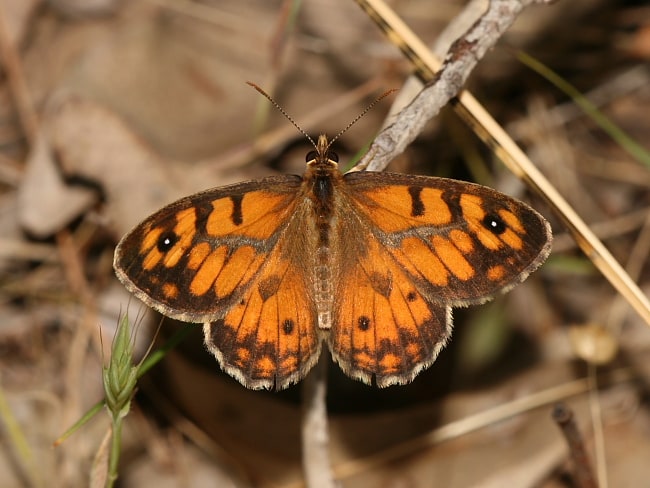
x: 365, y: 111
x: 289, y: 118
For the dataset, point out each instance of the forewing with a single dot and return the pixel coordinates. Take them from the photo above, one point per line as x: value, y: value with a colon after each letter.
x: 193, y: 259
x: 460, y: 242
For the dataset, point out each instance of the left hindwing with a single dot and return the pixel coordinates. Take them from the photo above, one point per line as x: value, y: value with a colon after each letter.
x: 460, y: 242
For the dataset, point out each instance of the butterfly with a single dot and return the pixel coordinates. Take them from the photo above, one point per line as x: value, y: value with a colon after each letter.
x: 370, y: 263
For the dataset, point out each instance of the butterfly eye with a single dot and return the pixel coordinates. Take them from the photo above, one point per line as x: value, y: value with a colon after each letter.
x: 494, y: 224
x: 331, y: 155
x: 166, y: 241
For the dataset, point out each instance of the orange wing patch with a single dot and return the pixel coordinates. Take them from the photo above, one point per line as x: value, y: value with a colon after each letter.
x: 452, y: 258
x: 417, y: 257
x: 407, y: 208
x: 255, y: 214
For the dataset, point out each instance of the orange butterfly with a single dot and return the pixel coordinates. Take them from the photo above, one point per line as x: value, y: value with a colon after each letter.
x: 370, y: 262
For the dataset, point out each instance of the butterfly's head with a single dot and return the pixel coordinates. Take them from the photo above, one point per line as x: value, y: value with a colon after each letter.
x: 322, y: 156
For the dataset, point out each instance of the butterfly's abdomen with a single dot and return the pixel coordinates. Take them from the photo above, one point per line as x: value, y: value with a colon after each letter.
x: 323, y: 285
